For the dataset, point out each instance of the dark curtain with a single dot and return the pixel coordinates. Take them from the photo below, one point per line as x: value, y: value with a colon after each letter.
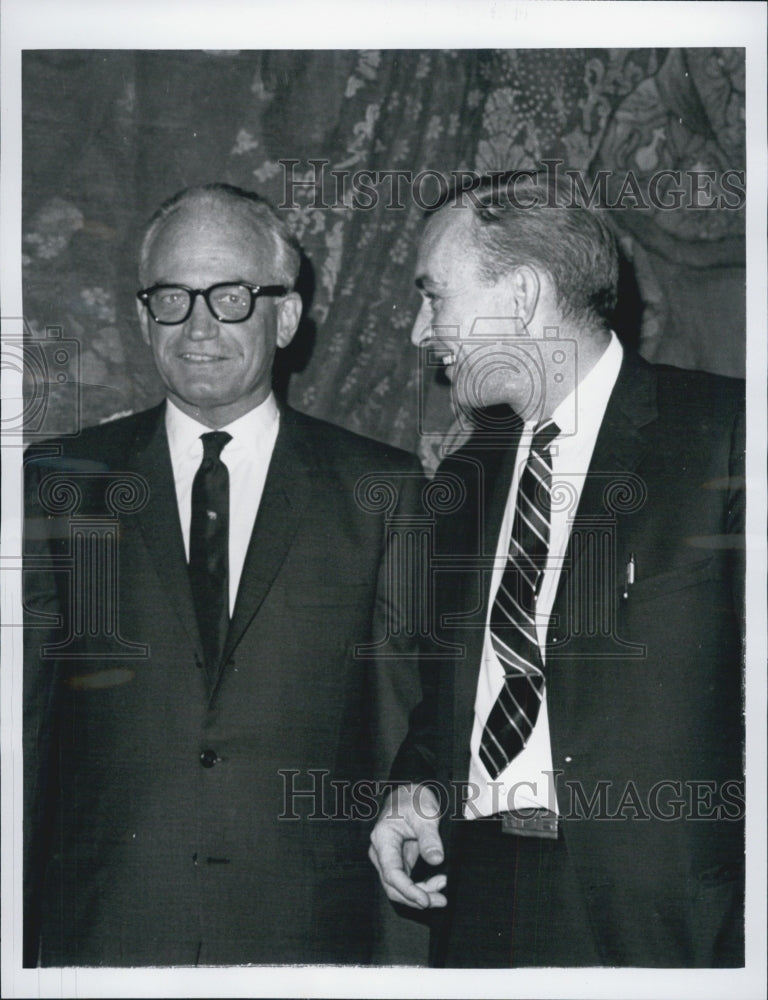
x: 110, y: 134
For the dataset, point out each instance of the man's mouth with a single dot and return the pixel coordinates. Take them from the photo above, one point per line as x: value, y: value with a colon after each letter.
x: 201, y: 358
x: 449, y: 358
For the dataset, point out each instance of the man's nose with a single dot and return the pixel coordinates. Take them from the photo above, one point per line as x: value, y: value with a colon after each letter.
x: 422, y: 326
x: 201, y: 324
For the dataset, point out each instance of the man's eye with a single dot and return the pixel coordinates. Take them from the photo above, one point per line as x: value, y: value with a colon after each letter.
x: 230, y: 298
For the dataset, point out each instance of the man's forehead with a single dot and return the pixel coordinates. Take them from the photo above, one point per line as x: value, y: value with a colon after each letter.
x: 215, y: 216
x: 212, y: 225
x: 452, y: 219
x: 448, y: 234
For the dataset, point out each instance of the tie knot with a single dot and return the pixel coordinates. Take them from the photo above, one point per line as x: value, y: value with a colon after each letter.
x: 543, y: 436
x: 213, y: 443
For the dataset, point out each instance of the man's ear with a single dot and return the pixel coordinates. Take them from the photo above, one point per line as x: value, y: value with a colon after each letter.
x: 525, y: 287
x: 141, y: 309
x: 288, y: 316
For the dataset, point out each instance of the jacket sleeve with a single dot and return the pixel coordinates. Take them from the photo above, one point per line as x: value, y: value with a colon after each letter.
x: 398, y: 616
x: 43, y: 617
x: 736, y: 510
x: 429, y: 728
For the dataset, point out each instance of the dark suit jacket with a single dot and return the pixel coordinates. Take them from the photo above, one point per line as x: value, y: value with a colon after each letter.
x: 644, y: 692
x: 158, y: 826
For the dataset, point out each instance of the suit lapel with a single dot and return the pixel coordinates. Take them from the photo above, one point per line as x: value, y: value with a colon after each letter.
x: 279, y: 515
x: 611, y: 485
x: 283, y: 500
x: 159, y: 520
x: 622, y: 441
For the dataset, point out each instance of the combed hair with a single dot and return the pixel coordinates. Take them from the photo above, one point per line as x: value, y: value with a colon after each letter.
x: 263, y: 215
x: 531, y: 218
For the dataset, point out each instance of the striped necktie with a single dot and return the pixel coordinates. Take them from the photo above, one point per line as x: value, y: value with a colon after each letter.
x: 513, y: 615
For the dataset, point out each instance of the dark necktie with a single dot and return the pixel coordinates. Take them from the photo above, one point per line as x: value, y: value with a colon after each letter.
x: 513, y: 615
x: 209, y: 547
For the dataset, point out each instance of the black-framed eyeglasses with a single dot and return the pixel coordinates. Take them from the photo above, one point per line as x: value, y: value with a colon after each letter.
x: 228, y: 302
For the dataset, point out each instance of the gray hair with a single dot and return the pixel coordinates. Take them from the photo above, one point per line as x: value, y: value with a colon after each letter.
x: 530, y: 218
x: 261, y: 213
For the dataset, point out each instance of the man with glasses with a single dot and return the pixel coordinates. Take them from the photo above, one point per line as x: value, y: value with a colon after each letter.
x: 194, y: 684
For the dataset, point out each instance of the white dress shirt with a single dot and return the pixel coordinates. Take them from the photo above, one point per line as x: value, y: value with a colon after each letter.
x: 527, y: 780
x: 246, y: 456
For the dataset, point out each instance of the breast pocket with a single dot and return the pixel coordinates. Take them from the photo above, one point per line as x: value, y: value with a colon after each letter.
x: 663, y: 584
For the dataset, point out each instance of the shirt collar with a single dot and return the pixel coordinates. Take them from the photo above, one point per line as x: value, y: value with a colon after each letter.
x: 184, y: 431
x: 582, y: 409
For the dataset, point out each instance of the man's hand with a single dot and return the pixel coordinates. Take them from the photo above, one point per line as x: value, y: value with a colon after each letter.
x: 407, y: 828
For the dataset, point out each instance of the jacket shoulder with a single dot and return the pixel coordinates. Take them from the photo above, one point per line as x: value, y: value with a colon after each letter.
x: 697, y: 405
x: 335, y: 444
x: 697, y: 388
x: 95, y: 447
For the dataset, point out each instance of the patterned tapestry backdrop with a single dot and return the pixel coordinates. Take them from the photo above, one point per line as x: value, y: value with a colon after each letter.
x: 110, y: 134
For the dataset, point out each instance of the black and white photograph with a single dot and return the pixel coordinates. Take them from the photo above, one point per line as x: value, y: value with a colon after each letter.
x: 383, y: 499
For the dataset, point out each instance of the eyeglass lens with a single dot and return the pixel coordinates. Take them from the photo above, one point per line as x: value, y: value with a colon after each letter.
x: 226, y: 302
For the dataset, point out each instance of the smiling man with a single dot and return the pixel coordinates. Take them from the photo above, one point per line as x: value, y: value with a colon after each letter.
x: 218, y: 301
x: 199, y: 579
x: 574, y: 771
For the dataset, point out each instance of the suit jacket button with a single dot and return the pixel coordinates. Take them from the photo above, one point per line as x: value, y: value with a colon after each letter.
x: 208, y: 758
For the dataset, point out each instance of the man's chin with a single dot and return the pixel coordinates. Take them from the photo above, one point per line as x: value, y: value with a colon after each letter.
x: 470, y: 395
x: 211, y: 406
x: 200, y: 405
